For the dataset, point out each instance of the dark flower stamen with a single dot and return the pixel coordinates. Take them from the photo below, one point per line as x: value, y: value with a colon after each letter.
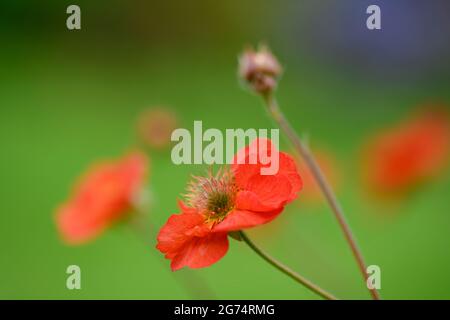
x: 213, y: 196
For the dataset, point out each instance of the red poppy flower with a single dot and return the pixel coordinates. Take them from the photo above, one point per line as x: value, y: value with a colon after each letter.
x: 103, y: 196
x: 235, y: 199
x: 416, y: 150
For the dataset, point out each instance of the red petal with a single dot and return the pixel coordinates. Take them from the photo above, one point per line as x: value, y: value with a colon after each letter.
x: 288, y: 168
x: 178, y: 230
x: 266, y: 192
x: 242, y: 219
x: 77, y: 228
x: 103, y: 195
x: 201, y: 252
x: 409, y: 153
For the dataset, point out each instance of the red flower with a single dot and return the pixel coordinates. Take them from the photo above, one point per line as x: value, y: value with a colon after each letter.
x: 410, y: 153
x: 230, y: 201
x: 103, y: 195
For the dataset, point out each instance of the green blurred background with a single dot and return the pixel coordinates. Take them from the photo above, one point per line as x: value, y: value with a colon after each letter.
x: 68, y: 98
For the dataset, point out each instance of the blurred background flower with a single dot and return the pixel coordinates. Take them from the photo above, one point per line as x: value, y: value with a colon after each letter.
x: 402, y: 158
x: 155, y: 127
x: 103, y: 196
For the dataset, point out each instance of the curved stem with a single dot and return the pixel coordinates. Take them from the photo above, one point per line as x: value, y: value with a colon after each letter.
x: 325, y: 187
x: 286, y: 270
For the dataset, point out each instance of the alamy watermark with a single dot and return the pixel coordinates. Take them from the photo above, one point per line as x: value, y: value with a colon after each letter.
x: 373, y: 277
x: 373, y: 22
x: 221, y: 148
x: 73, y: 21
x: 74, y: 279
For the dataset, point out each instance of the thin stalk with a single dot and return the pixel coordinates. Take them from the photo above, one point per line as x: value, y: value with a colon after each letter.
x: 286, y: 270
x: 325, y: 187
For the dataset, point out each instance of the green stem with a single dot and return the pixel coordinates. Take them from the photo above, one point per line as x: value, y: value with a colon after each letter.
x: 325, y: 187
x: 287, y: 271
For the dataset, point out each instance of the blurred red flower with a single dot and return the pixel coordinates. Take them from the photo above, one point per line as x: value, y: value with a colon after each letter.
x: 231, y: 200
x: 155, y: 127
x: 104, y: 194
x: 417, y: 149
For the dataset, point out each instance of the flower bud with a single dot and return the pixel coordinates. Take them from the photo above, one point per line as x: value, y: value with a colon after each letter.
x: 155, y: 127
x: 260, y: 69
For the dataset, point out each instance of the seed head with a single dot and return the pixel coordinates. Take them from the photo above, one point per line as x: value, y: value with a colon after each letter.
x: 213, y: 195
x: 260, y: 69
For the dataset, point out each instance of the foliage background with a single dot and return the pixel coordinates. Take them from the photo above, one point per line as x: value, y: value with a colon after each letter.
x: 68, y: 98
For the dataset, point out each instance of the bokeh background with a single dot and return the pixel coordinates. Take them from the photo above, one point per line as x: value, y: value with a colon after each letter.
x: 68, y: 98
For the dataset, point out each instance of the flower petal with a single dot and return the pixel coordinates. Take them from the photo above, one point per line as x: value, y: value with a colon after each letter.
x: 75, y: 228
x: 201, y: 252
x: 179, y: 230
x: 102, y: 196
x: 265, y: 192
x: 242, y: 219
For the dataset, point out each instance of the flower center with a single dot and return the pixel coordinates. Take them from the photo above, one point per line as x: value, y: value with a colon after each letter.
x: 213, y: 196
x: 219, y: 203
